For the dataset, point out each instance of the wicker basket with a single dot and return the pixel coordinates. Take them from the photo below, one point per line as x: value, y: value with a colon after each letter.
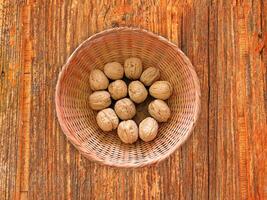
x: 78, y: 121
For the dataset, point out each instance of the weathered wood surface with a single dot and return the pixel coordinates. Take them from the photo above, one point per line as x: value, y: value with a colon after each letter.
x: 225, y: 158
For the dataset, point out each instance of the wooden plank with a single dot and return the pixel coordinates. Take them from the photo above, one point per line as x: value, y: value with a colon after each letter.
x: 25, y: 110
x: 200, y: 60
x: 251, y: 118
x: 226, y: 156
x: 223, y: 159
x: 213, y: 100
x: 237, y: 26
x: 10, y: 70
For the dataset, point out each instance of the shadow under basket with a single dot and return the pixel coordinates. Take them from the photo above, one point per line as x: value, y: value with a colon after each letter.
x: 78, y: 121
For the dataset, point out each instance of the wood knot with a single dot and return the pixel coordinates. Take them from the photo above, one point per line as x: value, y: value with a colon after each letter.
x: 114, y: 24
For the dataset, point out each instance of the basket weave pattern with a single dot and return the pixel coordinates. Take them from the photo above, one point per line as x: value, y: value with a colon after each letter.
x: 78, y: 121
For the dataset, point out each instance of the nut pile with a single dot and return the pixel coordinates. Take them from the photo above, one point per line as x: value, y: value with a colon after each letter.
x: 109, y: 84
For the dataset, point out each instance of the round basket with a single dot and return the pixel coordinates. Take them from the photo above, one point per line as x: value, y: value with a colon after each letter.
x: 78, y: 121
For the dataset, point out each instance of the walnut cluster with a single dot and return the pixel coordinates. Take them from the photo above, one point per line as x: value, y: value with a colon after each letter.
x: 111, y: 83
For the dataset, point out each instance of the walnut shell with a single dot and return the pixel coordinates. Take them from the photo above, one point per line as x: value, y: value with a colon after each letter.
x: 133, y: 68
x: 137, y: 92
x: 150, y: 75
x: 107, y: 119
x: 161, y: 90
x: 148, y: 129
x: 125, y: 109
x: 128, y: 131
x: 159, y: 110
x: 98, y: 80
x: 99, y: 100
x: 117, y: 89
x: 114, y: 70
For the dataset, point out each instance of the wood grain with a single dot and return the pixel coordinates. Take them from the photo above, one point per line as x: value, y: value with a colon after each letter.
x: 225, y: 158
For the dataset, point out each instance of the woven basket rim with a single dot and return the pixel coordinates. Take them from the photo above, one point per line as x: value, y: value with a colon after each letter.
x: 95, y: 158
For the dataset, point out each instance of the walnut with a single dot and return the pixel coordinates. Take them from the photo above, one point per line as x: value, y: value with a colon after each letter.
x: 128, y: 131
x: 107, y: 119
x: 98, y: 80
x: 133, y: 68
x: 161, y: 90
x: 137, y: 92
x: 114, y: 70
x: 117, y: 89
x: 150, y: 75
x: 125, y: 109
x: 159, y: 110
x: 148, y: 129
x: 99, y: 100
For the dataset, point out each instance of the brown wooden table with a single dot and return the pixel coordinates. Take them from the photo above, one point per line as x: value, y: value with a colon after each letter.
x: 225, y: 158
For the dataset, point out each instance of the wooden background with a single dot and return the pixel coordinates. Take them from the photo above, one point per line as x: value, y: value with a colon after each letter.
x: 225, y: 158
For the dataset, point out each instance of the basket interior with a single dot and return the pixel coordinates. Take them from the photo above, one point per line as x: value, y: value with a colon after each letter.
x: 79, y: 121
